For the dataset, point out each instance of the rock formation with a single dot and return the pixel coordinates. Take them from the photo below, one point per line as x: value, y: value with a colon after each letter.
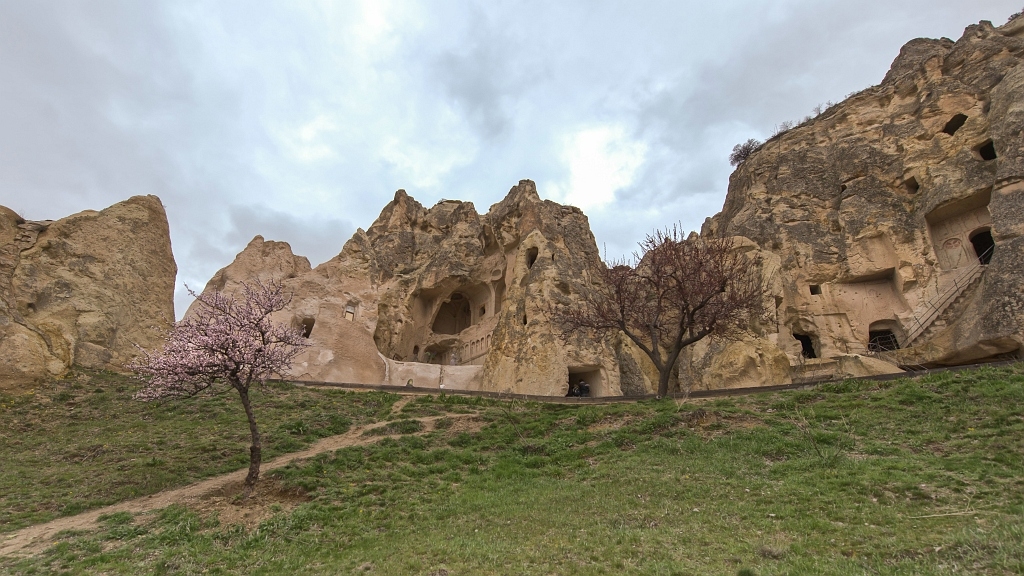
x: 889, y: 229
x: 83, y: 290
x: 446, y: 297
x: 896, y: 216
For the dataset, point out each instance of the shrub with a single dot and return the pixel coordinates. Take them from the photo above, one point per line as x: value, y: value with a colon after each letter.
x: 741, y: 152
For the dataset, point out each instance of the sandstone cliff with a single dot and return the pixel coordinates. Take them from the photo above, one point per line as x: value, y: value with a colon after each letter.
x: 897, y: 215
x: 447, y: 296
x: 83, y: 290
x: 888, y: 227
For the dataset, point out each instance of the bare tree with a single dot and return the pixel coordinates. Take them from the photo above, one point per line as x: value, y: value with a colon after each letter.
x: 227, y: 342
x: 677, y: 292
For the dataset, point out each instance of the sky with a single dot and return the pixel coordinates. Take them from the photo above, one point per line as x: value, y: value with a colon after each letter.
x: 299, y: 120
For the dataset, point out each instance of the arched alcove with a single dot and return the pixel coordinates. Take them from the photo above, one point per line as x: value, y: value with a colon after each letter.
x: 882, y: 336
x: 453, y: 316
x: 531, y: 256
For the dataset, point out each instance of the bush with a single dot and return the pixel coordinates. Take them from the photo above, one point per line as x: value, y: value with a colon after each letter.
x: 741, y: 152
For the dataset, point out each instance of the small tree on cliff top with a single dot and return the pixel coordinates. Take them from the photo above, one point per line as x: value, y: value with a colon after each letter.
x: 678, y: 292
x: 741, y: 152
x: 226, y: 342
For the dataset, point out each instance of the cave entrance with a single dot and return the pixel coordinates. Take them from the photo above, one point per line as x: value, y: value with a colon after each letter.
x: 584, y: 381
x: 882, y: 341
x: 307, y: 327
x: 882, y: 336
x: 806, y: 345
x: 454, y: 316
x: 984, y: 245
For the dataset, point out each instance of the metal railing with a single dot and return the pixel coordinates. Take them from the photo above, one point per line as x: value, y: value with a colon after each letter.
x: 925, y: 315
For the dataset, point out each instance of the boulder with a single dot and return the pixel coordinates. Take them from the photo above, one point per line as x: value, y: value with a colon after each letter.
x: 84, y: 290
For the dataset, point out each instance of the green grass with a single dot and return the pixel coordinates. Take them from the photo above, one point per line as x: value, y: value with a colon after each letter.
x: 903, y: 477
x: 82, y: 442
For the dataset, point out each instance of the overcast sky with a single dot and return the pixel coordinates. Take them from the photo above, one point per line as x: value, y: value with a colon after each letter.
x: 299, y: 120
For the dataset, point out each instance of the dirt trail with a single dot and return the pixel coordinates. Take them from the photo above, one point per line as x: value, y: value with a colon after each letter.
x: 34, y: 539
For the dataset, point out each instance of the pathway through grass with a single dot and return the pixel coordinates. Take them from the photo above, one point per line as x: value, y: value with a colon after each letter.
x: 904, y: 477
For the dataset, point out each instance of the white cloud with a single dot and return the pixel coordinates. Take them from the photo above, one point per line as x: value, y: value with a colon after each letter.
x: 315, y: 112
x: 306, y: 143
x: 600, y: 160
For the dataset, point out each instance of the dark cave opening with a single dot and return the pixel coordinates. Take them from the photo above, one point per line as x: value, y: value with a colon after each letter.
x: 807, y: 346
x: 984, y: 245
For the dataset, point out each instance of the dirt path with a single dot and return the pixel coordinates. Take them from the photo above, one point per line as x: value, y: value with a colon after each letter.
x: 212, y: 494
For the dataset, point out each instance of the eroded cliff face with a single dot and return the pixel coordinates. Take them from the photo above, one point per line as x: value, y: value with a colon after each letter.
x: 897, y: 215
x: 447, y: 296
x: 892, y: 220
x: 83, y: 290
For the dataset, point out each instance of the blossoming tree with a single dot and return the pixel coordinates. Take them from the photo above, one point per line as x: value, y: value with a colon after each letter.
x: 677, y: 292
x: 228, y: 341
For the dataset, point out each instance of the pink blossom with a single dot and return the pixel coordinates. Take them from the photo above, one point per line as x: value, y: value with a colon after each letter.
x: 226, y: 342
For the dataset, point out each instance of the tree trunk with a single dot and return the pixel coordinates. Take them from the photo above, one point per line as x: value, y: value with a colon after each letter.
x: 663, y: 381
x: 255, y: 456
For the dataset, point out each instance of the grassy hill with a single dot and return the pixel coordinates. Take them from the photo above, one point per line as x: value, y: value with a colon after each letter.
x: 903, y: 477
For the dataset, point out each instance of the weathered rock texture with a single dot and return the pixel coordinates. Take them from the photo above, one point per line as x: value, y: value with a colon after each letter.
x: 83, y: 290
x: 892, y: 219
x: 446, y: 297
x: 880, y: 212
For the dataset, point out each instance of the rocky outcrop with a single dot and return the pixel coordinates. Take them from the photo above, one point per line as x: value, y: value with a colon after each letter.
x: 446, y: 297
x: 83, y: 290
x: 892, y: 220
x: 887, y: 207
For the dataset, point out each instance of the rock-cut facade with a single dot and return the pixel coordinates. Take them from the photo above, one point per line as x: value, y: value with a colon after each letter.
x: 895, y: 219
x: 447, y: 298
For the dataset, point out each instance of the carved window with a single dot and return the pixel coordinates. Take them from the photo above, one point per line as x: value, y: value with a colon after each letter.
x: 987, y: 151
x: 531, y: 256
x: 307, y: 327
x: 954, y: 124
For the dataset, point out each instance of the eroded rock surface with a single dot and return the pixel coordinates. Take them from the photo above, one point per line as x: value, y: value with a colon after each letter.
x: 83, y: 290
x: 897, y: 215
x: 448, y: 297
x: 892, y: 220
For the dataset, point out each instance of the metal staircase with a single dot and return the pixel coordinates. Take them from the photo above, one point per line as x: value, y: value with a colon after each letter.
x: 926, y: 314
